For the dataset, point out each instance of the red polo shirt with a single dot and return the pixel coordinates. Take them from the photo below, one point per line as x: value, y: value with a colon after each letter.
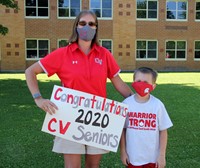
x: 87, y: 73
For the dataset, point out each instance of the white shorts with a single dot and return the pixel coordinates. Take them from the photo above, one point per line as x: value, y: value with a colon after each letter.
x: 69, y: 147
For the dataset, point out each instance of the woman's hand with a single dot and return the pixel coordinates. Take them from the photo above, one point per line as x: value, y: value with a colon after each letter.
x: 46, y: 105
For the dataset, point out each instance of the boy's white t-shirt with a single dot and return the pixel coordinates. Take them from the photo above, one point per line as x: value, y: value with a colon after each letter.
x: 143, y: 123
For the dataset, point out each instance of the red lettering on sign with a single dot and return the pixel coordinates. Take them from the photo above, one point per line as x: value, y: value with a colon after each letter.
x: 55, y: 95
x: 49, y: 125
x: 63, y: 130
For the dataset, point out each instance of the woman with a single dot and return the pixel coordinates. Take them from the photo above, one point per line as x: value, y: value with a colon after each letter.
x: 82, y: 65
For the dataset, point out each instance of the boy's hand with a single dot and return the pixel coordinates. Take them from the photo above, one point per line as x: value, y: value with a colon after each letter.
x: 161, y: 162
x: 124, y: 158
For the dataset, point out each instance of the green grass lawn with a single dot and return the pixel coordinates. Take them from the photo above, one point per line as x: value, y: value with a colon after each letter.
x: 23, y: 145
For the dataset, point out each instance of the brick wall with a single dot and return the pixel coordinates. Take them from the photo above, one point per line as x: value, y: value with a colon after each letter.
x: 123, y: 29
x: 12, y: 45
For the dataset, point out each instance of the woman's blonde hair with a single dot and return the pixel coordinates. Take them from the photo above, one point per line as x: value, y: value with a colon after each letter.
x: 74, y: 37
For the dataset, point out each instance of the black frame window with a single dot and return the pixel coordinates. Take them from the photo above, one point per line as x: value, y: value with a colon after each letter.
x: 102, y: 8
x: 175, y: 49
x: 176, y: 10
x: 146, y: 49
x: 68, y: 8
x: 147, y: 9
x: 37, y: 8
x: 36, y: 49
x: 197, y: 50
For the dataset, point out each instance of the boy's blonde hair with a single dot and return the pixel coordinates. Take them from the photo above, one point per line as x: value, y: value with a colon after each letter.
x: 147, y: 70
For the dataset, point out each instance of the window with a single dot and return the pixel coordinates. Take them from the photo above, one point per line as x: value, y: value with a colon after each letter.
x: 36, y: 49
x: 68, y: 8
x: 176, y: 10
x: 37, y: 8
x: 62, y: 43
x: 197, y: 50
x: 102, y: 8
x: 175, y: 50
x: 198, y: 10
x: 146, y: 50
x: 147, y: 9
x: 107, y: 44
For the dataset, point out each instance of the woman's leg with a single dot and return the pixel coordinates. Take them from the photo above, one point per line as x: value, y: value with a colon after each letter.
x: 72, y: 160
x: 92, y: 161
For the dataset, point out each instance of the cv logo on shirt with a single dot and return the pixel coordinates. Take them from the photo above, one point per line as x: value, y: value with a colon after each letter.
x: 98, y: 61
x: 74, y: 62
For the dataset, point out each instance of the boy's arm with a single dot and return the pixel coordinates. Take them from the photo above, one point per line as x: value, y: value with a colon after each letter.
x: 161, y: 162
x: 124, y: 156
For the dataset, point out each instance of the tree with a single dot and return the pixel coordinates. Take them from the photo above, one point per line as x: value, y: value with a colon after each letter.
x: 8, y: 4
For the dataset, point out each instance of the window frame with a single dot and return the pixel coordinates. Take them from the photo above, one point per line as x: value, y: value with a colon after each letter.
x: 110, y: 40
x: 146, y: 59
x: 58, y: 40
x: 196, y: 59
x: 197, y: 20
x: 103, y: 18
x: 176, y: 59
x: 36, y: 17
x: 37, y: 58
x: 177, y: 20
x: 148, y: 19
x: 67, y: 17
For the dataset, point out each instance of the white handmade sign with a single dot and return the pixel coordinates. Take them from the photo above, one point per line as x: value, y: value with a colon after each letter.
x: 86, y: 118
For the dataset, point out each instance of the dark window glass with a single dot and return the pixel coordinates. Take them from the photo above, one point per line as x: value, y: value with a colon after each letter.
x: 141, y: 54
x: 30, y: 11
x: 42, y: 3
x: 31, y: 44
x: 64, y: 12
x: 43, y: 53
x: 141, y: 4
x: 152, y: 14
x: 197, y: 54
x: 43, y: 12
x: 31, y: 53
x: 141, y: 44
x: 30, y: 2
x: 170, y: 54
x: 180, y: 54
x: 197, y: 44
x: 75, y: 12
x: 170, y: 45
x: 141, y: 14
x: 152, y: 5
x: 151, y: 54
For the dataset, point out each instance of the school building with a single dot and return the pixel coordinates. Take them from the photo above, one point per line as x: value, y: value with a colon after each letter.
x: 164, y: 35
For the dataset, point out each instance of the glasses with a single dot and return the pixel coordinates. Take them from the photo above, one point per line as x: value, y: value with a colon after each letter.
x: 83, y: 23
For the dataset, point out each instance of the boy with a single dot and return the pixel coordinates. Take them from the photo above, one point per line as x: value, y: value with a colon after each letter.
x: 144, y: 138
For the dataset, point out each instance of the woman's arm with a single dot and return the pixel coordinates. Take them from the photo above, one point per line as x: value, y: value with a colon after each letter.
x: 32, y: 82
x: 121, y: 86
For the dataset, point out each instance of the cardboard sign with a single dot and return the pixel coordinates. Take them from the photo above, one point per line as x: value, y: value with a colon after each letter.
x: 86, y: 118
